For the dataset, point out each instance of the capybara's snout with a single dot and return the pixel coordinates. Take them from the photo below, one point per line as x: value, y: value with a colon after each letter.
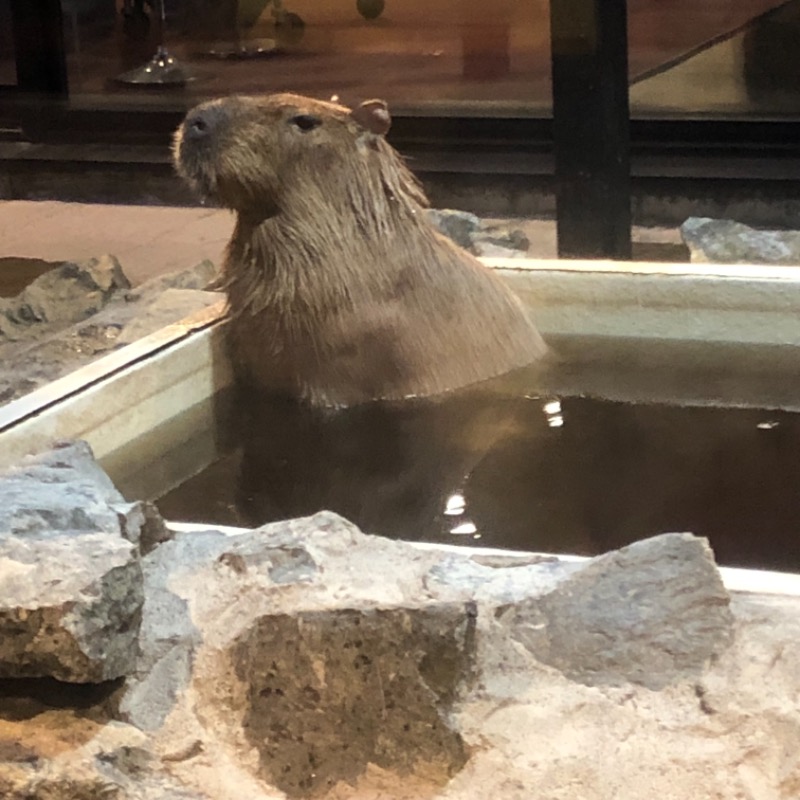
x: 204, y: 122
x: 197, y: 144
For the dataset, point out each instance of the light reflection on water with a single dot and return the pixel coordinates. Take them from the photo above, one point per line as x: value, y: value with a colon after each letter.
x: 511, y: 472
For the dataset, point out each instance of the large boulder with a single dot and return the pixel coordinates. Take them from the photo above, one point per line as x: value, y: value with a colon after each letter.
x: 724, y: 241
x: 654, y: 613
x: 247, y: 632
x: 71, y: 589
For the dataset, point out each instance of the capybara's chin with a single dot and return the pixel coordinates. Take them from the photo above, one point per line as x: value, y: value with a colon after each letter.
x: 195, y: 148
x: 211, y: 155
x: 340, y: 289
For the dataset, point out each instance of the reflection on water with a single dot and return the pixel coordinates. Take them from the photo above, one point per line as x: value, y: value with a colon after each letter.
x: 535, y: 473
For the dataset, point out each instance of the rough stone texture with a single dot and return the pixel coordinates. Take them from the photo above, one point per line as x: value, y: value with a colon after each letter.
x: 330, y: 693
x: 482, y: 237
x: 159, y: 310
x: 58, y: 755
x: 654, y: 613
x: 18, y: 272
x: 67, y: 294
x: 487, y: 249
x: 168, y: 635
x: 56, y: 350
x: 249, y: 645
x: 723, y: 241
x: 70, y: 579
x: 460, y: 226
x: 310, y: 660
x: 501, y: 240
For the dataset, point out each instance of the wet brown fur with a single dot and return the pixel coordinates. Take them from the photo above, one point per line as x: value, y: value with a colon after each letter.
x: 340, y: 290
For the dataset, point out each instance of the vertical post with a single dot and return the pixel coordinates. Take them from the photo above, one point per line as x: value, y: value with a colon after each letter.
x: 39, y: 47
x: 591, y: 128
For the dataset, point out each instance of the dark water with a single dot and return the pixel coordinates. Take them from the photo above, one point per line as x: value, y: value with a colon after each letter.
x: 574, y: 475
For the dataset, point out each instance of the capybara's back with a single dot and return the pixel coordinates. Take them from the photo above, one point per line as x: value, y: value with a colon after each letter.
x: 339, y: 287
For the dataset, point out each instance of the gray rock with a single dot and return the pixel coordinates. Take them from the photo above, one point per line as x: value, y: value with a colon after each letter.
x: 504, y: 237
x: 723, y: 241
x: 460, y: 226
x: 114, y: 764
x: 487, y: 249
x: 495, y: 585
x: 329, y: 693
x: 60, y: 490
x: 70, y: 574
x: 153, y: 530
x: 64, y: 295
x: 58, y: 349
x: 483, y: 239
x: 652, y: 613
x: 202, y: 275
x: 272, y: 652
x: 169, y: 636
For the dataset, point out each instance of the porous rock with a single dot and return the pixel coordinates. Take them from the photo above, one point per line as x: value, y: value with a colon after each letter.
x: 653, y: 613
x: 329, y: 693
x: 724, y: 241
x: 70, y: 574
x: 168, y: 634
x: 213, y: 566
x: 243, y: 629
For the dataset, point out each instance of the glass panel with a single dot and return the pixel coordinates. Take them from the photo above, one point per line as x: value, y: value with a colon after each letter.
x: 737, y: 57
x: 470, y: 56
x: 449, y: 56
x: 8, y: 70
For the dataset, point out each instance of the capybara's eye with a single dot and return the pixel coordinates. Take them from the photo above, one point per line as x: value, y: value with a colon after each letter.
x: 306, y: 122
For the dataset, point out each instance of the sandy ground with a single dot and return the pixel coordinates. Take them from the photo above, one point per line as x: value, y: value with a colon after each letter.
x: 153, y: 240
x: 147, y: 240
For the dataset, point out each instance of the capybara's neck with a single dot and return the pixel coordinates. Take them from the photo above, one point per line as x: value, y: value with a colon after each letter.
x: 338, y: 257
x: 330, y: 243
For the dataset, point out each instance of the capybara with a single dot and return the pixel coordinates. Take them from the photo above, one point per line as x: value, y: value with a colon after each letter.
x: 340, y: 289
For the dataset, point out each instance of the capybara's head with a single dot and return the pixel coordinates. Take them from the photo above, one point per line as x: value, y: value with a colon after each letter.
x: 262, y: 154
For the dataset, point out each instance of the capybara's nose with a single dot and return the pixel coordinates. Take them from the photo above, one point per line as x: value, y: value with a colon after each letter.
x: 203, y: 122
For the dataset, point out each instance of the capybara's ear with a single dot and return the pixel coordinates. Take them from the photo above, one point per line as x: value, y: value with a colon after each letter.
x: 373, y: 115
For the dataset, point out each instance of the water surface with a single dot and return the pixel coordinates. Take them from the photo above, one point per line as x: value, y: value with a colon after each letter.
x: 563, y: 475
